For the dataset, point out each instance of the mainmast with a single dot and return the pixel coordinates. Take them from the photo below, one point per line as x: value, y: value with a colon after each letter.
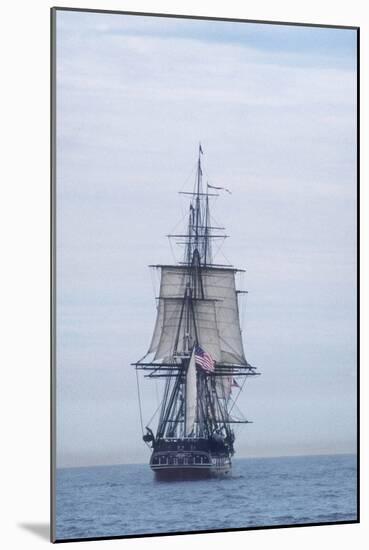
x: 198, y: 211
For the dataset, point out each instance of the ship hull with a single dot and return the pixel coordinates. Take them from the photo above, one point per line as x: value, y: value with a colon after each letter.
x: 177, y: 466
x: 187, y: 473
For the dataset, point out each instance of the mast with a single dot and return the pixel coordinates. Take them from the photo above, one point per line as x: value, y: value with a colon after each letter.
x: 198, y: 211
x: 197, y: 249
x: 207, y: 251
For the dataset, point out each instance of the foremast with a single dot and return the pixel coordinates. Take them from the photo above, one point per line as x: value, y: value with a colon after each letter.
x: 197, y: 308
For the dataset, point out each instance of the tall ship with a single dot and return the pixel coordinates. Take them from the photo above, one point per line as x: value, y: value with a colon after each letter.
x: 197, y: 352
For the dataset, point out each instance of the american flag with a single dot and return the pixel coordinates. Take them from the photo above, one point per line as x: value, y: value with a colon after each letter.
x: 204, y: 360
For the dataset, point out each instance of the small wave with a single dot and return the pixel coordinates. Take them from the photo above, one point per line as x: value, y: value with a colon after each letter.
x: 285, y: 519
x: 336, y: 516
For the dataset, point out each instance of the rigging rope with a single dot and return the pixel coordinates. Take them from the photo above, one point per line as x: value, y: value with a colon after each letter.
x: 157, y: 394
x: 193, y: 170
x: 238, y: 395
x: 155, y: 413
x: 139, y: 401
x: 172, y: 250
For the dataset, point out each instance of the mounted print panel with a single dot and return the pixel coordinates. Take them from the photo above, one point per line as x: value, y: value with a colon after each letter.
x: 204, y: 207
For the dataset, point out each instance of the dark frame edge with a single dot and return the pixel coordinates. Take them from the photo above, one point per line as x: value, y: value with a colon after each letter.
x: 206, y: 18
x: 52, y: 274
x: 207, y: 532
x: 358, y: 269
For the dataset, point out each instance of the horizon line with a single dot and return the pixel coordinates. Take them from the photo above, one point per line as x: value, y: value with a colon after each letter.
x: 236, y: 458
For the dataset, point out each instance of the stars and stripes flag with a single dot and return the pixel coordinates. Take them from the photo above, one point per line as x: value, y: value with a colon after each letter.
x: 204, y: 360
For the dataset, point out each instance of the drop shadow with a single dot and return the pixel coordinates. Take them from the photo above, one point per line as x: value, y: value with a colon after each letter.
x: 42, y: 530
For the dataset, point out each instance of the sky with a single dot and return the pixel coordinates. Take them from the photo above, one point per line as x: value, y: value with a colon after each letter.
x: 274, y: 107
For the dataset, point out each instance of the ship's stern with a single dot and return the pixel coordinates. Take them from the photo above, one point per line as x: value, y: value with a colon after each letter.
x: 182, y: 460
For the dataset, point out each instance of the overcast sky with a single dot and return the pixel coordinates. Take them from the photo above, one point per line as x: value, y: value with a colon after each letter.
x: 274, y: 107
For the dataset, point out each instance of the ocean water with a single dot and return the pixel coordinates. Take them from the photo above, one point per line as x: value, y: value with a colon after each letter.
x: 126, y: 499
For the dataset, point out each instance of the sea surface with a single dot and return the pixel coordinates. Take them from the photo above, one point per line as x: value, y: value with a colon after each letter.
x: 126, y: 500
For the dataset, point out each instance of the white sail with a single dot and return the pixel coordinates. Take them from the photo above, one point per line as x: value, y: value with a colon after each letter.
x: 216, y: 317
x: 207, y: 329
x: 166, y: 329
x: 191, y: 396
x: 173, y: 281
x: 158, y: 327
x: 219, y: 284
x: 172, y: 285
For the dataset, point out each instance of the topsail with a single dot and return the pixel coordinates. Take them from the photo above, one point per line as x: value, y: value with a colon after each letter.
x: 216, y: 316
